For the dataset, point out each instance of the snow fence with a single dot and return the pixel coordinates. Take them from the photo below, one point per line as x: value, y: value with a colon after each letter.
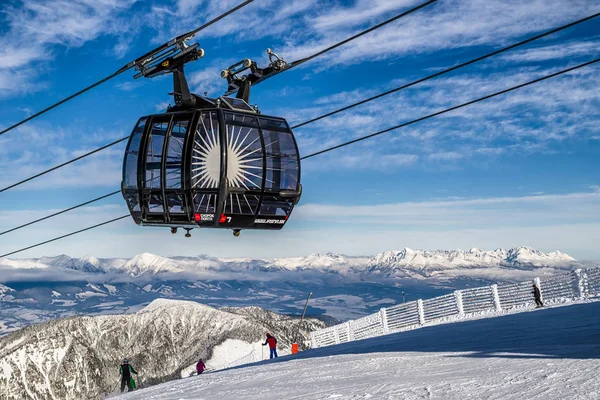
x: 463, y: 304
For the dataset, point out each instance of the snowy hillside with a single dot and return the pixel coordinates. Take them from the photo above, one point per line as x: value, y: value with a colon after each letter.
x: 550, y: 354
x: 79, y: 357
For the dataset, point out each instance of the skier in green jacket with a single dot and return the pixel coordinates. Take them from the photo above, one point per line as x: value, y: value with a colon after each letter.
x: 126, y: 379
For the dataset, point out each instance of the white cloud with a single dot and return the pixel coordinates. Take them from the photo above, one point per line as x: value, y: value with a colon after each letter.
x: 445, y: 156
x: 535, y: 119
x: 52, y: 148
x: 128, y: 86
x: 553, y: 52
x: 367, y: 161
x: 441, y: 26
x: 35, y: 28
x: 569, y: 222
x: 583, y: 207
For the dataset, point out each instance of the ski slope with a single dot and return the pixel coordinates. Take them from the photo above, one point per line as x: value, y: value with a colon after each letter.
x: 545, y: 354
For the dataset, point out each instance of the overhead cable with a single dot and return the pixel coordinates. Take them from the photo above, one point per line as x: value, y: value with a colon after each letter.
x: 125, y: 67
x: 361, y: 102
x: 67, y: 235
x: 60, y: 212
x: 513, y: 88
x: 447, y: 110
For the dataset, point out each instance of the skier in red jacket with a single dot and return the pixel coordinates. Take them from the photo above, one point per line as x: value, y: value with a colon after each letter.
x: 200, y: 367
x: 272, y: 342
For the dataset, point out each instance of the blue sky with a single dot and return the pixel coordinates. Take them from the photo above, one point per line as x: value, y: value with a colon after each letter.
x: 521, y: 169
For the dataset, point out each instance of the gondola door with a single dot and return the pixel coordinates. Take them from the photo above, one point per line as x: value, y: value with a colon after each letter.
x: 175, y: 184
x: 151, y: 171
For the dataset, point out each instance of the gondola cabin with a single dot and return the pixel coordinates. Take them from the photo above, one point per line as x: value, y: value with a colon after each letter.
x: 220, y: 164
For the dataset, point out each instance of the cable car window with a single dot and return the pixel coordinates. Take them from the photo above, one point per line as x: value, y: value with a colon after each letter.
x: 133, y: 203
x: 175, y: 154
x: 131, y: 156
x: 244, y: 157
x: 155, y: 204
x: 240, y: 119
x: 276, y: 124
x: 272, y: 205
x: 282, y: 161
x: 154, y: 154
x: 175, y: 203
x: 236, y: 104
x: 206, y: 157
x: 244, y: 203
x: 244, y: 166
x: 205, y: 203
x: 206, y: 164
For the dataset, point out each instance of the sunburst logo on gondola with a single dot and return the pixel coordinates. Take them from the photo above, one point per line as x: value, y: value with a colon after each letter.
x: 244, y: 158
x: 206, y: 160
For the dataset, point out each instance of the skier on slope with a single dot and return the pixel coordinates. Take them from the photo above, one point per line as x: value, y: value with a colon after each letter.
x: 200, y: 367
x: 538, y: 296
x: 272, y: 342
x: 126, y: 379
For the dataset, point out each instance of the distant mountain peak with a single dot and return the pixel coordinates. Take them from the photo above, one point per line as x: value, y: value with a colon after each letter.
x: 518, y: 257
x: 147, y: 263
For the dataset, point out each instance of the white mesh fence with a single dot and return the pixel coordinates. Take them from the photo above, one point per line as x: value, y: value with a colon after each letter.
x: 440, y: 308
x: 560, y: 289
x: 367, y: 327
x: 516, y: 295
x: 402, y: 316
x: 591, y: 282
x: 478, y: 300
x: 463, y: 304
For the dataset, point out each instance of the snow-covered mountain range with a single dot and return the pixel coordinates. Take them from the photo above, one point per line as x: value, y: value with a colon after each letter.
x: 421, y: 260
x: 35, y: 290
x: 79, y: 357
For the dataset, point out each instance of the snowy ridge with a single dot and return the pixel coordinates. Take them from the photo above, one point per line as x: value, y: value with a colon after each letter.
x: 5, y: 292
x: 520, y: 257
x: 387, y: 262
x: 78, y: 357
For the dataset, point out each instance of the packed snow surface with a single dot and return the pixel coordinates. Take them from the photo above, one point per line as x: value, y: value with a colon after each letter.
x: 547, y: 354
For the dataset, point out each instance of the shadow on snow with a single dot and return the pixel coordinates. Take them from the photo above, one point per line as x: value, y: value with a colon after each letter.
x: 570, y: 332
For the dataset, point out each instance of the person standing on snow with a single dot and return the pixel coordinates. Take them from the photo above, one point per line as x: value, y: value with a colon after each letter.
x: 272, y: 342
x: 126, y: 379
x: 200, y: 367
x: 538, y: 296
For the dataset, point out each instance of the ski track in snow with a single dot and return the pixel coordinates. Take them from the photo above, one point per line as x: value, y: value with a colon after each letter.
x: 543, y: 355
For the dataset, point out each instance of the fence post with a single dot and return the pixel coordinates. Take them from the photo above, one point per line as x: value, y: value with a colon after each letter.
x: 336, y: 335
x: 538, y: 283
x: 581, y: 276
x: 349, y: 332
x: 497, y: 304
x: 421, y: 312
x: 313, y: 341
x: 459, y: 303
x: 384, y: 321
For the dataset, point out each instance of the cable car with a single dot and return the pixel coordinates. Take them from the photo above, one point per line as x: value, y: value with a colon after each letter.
x: 211, y: 162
